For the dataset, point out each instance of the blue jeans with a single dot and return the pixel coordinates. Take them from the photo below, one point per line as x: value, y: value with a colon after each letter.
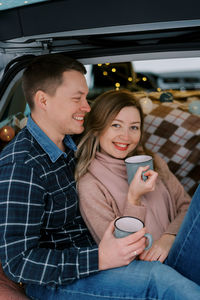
x: 139, y: 280
x: 142, y: 280
x: 184, y: 255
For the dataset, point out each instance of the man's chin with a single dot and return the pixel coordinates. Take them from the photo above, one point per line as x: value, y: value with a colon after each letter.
x: 79, y: 130
x: 76, y: 130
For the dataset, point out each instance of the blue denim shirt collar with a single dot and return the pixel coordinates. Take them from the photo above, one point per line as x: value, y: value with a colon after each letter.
x: 46, y: 143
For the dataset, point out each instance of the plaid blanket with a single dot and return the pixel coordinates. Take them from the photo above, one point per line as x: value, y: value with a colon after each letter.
x: 175, y: 135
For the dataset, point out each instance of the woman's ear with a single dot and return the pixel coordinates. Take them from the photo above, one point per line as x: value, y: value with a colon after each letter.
x: 41, y: 99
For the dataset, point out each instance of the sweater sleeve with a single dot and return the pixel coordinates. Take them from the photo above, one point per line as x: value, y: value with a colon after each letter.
x: 180, y: 199
x: 137, y: 211
x: 98, y: 208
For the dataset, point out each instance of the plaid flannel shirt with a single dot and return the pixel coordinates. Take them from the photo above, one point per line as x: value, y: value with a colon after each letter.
x: 43, y: 238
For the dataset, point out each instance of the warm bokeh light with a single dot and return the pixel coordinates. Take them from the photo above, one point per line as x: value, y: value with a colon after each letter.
x: 7, y: 133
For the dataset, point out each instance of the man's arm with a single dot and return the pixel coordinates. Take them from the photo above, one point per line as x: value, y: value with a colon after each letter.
x: 22, y: 209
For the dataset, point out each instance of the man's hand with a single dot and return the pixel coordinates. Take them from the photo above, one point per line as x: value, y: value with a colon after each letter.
x: 118, y: 252
x: 160, y: 249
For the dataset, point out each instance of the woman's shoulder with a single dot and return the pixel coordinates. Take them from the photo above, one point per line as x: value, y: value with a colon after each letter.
x: 88, y: 181
x: 87, y: 178
x: 161, y: 167
x: 159, y: 161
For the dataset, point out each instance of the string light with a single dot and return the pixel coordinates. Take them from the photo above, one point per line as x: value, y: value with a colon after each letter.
x: 130, y: 79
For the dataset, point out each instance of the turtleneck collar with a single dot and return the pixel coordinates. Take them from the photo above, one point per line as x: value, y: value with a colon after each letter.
x: 115, y: 165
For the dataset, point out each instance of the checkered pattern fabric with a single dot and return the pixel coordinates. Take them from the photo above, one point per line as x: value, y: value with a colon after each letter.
x: 175, y: 135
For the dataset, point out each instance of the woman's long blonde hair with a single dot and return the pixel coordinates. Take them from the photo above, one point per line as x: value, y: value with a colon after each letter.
x: 103, y: 110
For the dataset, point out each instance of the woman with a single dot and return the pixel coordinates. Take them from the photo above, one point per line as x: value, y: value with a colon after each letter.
x: 113, y: 131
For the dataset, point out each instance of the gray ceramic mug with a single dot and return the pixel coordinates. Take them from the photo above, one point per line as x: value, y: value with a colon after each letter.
x: 134, y: 162
x: 126, y: 225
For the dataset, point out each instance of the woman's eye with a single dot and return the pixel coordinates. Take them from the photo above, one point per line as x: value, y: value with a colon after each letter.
x: 135, y: 127
x: 116, y: 125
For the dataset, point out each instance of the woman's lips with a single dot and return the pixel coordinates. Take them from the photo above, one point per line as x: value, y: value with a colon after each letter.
x: 121, y: 146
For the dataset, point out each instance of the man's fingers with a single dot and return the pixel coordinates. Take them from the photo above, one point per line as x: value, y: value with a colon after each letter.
x: 109, y: 231
x: 134, y: 237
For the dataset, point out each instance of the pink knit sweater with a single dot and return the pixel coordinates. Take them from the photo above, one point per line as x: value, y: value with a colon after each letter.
x: 103, y: 197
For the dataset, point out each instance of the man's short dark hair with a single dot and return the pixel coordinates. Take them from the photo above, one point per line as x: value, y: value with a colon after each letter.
x: 45, y: 73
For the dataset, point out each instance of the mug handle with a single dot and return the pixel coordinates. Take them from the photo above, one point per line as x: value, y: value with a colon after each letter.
x: 150, y: 240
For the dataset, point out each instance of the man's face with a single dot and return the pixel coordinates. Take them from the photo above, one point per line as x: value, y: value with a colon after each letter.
x: 67, y: 108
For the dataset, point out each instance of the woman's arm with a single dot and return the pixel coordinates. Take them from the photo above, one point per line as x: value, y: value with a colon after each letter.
x: 180, y: 199
x: 98, y: 207
x: 180, y: 202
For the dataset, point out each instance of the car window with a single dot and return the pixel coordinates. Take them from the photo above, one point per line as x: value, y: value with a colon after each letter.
x: 177, y: 76
x: 8, y: 4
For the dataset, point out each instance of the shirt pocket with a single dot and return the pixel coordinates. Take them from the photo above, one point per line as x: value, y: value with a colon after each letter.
x: 62, y: 208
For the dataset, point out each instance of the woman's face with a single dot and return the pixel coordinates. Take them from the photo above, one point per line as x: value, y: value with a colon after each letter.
x: 123, y: 134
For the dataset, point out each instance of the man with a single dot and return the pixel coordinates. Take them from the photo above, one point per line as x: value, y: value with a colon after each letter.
x: 44, y: 242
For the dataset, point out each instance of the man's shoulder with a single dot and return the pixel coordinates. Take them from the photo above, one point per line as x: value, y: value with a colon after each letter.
x: 19, y: 150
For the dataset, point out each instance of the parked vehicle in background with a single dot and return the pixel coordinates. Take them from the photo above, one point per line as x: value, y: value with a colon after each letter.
x: 118, y: 42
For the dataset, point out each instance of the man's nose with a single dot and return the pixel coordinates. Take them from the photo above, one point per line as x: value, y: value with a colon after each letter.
x: 85, y: 106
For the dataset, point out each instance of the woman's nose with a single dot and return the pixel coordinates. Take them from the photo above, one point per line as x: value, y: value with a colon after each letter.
x: 125, y: 134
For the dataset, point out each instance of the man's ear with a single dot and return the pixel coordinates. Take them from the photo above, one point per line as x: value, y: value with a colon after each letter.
x: 41, y: 99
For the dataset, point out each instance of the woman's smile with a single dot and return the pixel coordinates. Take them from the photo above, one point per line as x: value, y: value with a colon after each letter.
x: 121, y: 146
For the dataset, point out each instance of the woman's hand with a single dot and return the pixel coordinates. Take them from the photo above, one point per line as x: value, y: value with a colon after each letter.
x: 139, y: 187
x: 118, y: 252
x: 160, y: 249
